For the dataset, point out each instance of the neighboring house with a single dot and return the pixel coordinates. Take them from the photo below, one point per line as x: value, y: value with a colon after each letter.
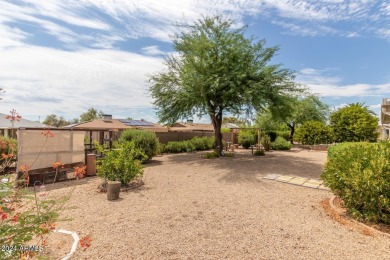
x: 385, y: 118
x: 230, y: 126
x: 108, y: 123
x: 7, y: 129
x: 189, y: 126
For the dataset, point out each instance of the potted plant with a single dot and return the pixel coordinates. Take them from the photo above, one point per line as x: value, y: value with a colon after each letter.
x: 119, y: 166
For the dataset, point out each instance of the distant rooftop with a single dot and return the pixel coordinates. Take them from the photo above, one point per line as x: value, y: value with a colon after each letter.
x: 7, y: 124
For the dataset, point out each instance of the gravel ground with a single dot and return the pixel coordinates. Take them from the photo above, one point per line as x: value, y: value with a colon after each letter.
x: 194, y: 208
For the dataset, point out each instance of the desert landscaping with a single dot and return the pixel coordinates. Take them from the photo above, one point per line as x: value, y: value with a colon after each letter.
x: 194, y: 208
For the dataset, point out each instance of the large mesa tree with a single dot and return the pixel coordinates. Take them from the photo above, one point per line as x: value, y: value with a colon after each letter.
x: 217, y: 70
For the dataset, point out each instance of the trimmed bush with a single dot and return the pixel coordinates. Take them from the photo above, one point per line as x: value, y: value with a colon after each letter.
x: 195, y: 144
x: 281, y: 144
x: 144, y: 140
x: 354, y: 123
x: 359, y: 173
x: 246, y: 139
x: 314, y: 132
x: 120, y: 164
x: 284, y: 134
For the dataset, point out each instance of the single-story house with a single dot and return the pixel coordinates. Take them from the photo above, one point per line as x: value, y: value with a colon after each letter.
x: 101, y: 128
x: 385, y: 118
x: 7, y: 128
x: 189, y: 126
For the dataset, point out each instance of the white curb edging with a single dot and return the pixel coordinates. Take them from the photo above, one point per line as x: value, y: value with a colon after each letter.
x: 76, y: 239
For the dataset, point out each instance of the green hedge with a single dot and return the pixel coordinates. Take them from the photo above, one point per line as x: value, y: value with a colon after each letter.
x: 143, y: 140
x: 195, y: 144
x: 314, y: 132
x: 281, y: 144
x: 359, y: 173
x: 246, y: 139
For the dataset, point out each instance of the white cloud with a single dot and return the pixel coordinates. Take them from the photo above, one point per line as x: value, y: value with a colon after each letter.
x: 329, y: 86
x: 70, y: 82
x: 153, y: 50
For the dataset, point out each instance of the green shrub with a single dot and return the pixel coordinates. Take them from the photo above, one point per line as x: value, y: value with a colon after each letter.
x: 354, y: 123
x: 359, y: 173
x: 314, y: 132
x: 259, y: 153
x: 195, y: 144
x: 246, y: 139
x: 211, y: 155
x: 121, y: 164
x: 284, y: 134
x: 226, y: 130
x: 272, y: 135
x: 203, y: 143
x: 8, y: 152
x: 266, y: 142
x: 144, y: 140
x: 8, y: 145
x: 281, y: 144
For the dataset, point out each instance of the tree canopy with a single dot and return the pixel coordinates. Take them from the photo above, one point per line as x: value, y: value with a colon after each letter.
x: 354, y: 123
x: 56, y: 121
x: 294, y: 111
x: 217, y: 70
x: 90, y: 115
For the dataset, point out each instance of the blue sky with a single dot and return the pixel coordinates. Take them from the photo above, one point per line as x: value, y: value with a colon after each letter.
x: 64, y: 57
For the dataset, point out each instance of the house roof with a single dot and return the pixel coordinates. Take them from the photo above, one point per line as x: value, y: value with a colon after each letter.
x: 191, y: 127
x: 229, y: 125
x: 119, y: 124
x: 6, y: 123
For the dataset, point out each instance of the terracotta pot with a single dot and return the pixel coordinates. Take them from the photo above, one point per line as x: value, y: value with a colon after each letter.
x: 113, y: 189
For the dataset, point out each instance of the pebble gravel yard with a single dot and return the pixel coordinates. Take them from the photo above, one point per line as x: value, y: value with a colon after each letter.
x: 195, y: 208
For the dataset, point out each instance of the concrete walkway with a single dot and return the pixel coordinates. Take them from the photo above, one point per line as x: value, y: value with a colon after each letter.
x: 304, y: 182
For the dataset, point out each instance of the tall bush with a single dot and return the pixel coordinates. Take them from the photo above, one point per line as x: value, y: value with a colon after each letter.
x: 246, y: 139
x: 281, y: 144
x: 145, y: 140
x: 121, y: 164
x: 354, y: 123
x: 314, y: 132
x: 359, y: 173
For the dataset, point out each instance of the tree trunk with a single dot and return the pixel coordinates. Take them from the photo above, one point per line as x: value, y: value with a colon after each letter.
x: 292, y: 131
x: 217, y: 122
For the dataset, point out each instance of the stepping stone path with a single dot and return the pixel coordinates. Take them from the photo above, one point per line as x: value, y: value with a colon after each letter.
x: 304, y: 182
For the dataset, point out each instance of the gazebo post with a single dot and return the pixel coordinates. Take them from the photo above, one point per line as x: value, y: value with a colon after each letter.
x: 232, y: 140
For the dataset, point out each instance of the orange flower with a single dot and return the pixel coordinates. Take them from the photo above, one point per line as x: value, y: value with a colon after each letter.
x: 25, y: 168
x: 56, y: 165
x: 15, y: 218
x: 47, y: 133
x: 79, y: 172
x: 4, y: 216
